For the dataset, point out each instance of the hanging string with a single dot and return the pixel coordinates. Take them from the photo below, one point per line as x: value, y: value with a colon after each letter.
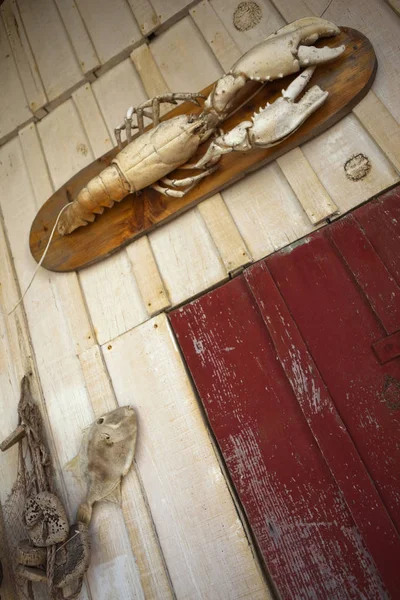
x: 41, y: 260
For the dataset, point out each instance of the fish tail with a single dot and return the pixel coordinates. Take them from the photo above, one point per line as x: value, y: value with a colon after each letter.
x: 84, y: 513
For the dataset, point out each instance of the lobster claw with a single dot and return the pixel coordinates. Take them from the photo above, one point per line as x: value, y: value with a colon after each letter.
x: 280, y: 54
x: 272, y: 124
x: 289, y: 49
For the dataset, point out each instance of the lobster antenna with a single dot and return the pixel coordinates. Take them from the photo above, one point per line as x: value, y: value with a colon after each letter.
x: 41, y: 259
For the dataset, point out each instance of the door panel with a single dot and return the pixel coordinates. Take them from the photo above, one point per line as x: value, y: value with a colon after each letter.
x: 295, y: 362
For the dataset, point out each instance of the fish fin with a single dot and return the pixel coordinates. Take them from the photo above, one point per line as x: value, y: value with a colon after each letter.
x: 73, y: 465
x: 114, y: 496
x: 84, y: 513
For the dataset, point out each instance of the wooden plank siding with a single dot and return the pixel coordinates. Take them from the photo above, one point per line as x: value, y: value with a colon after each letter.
x: 100, y: 338
x: 304, y: 324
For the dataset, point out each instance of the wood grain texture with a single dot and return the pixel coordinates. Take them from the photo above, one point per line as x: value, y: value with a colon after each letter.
x: 379, y: 220
x: 149, y: 73
x: 224, y: 233
x: 185, y: 278
x: 350, y: 166
x: 302, y: 526
x: 222, y: 45
x: 381, y: 126
x: 51, y: 50
x: 329, y: 431
x: 23, y: 56
x: 14, y: 109
x: 147, y: 274
x: 145, y: 15
x: 139, y: 214
x: 78, y: 34
x: 312, y: 195
x: 152, y: 576
x: 177, y: 53
x: 92, y: 120
x: 111, y: 26
x: 116, y: 91
x: 202, y: 539
x: 266, y: 211
x: 344, y: 315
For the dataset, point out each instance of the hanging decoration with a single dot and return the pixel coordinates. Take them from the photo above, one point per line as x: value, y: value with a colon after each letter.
x: 265, y: 106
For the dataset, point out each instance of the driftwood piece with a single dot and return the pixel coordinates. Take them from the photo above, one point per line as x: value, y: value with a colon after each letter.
x: 16, y: 436
x: 347, y: 79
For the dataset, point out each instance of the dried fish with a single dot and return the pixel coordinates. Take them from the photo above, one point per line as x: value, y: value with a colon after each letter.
x: 105, y: 456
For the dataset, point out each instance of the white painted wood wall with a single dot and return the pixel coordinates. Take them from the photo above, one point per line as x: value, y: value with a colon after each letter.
x: 100, y: 337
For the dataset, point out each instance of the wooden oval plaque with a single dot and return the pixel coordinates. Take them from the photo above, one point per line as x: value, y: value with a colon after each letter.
x: 347, y: 79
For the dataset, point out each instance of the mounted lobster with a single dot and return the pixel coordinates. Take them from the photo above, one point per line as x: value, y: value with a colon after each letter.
x: 147, y: 159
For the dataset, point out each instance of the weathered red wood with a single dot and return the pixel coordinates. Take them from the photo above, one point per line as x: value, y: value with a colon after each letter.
x: 339, y: 327
x: 328, y: 429
x: 380, y: 220
x: 369, y: 271
x: 388, y: 348
x: 304, y: 529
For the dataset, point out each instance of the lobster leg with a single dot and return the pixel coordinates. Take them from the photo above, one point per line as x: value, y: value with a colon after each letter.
x: 177, y: 183
x: 141, y: 112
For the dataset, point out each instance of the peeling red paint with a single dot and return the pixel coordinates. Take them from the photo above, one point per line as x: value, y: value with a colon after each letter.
x: 301, y: 407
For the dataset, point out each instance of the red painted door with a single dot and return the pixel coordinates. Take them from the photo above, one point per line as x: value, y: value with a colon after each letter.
x: 297, y: 363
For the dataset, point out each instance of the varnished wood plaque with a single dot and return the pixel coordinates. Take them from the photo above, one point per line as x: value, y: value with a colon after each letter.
x: 347, y: 79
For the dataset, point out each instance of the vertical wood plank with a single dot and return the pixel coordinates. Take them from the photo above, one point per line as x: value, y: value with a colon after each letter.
x: 23, y: 56
x: 379, y: 220
x: 111, y: 26
x: 116, y: 91
x: 81, y: 42
x: 64, y: 142
x: 379, y: 287
x: 202, y: 539
x: 92, y: 120
x: 303, y: 528
x: 217, y: 37
x: 187, y: 257
x: 337, y: 447
x: 349, y: 164
x: 13, y: 104
x: 224, y: 232
x: 149, y: 72
x: 147, y: 275
x: 328, y: 306
x: 145, y: 15
x: 169, y: 12
x: 266, y: 211
x: 176, y: 51
x: 53, y: 53
x: 381, y: 126
x: 312, y: 195
x: 113, y: 297
x: 142, y: 535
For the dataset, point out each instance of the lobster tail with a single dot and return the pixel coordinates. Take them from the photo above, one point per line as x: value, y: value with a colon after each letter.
x: 101, y: 192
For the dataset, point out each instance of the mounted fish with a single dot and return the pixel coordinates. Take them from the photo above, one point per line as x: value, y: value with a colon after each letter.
x: 105, y: 456
x: 280, y: 116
